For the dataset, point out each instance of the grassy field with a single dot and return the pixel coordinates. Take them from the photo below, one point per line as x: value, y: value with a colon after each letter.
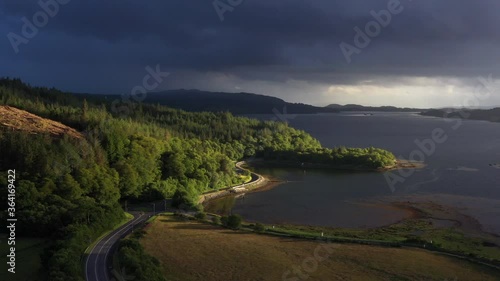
x: 190, y: 250
x: 448, y: 239
x: 28, y: 264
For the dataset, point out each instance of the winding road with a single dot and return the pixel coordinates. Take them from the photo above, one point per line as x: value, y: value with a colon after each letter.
x: 255, y: 177
x: 99, y: 260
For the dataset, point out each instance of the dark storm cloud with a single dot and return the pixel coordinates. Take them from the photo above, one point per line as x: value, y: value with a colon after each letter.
x: 260, y: 40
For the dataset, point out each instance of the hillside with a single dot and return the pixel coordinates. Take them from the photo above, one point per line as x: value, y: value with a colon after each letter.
x: 236, y: 103
x: 12, y: 118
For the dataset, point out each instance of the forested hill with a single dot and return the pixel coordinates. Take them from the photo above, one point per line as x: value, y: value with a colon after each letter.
x: 236, y: 103
x: 357, y: 107
x: 492, y: 115
x: 69, y: 189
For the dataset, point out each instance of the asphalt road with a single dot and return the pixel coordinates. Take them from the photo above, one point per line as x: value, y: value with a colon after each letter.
x: 98, y: 263
x: 254, y: 176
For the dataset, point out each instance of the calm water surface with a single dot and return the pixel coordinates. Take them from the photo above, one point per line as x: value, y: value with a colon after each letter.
x: 459, y: 166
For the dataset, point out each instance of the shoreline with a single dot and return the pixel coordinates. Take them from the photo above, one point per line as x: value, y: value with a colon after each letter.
x: 208, y: 198
x: 256, y: 182
x: 414, y: 206
x: 262, y: 183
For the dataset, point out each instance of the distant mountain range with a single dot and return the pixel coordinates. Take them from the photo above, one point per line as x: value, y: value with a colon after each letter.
x: 236, y: 103
x: 244, y: 103
x: 357, y: 107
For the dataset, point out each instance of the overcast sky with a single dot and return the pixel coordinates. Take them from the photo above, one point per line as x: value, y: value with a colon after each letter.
x: 429, y: 54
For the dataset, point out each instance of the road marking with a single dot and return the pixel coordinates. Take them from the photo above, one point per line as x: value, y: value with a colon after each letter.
x: 93, y: 248
x: 97, y: 259
x: 109, y: 249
